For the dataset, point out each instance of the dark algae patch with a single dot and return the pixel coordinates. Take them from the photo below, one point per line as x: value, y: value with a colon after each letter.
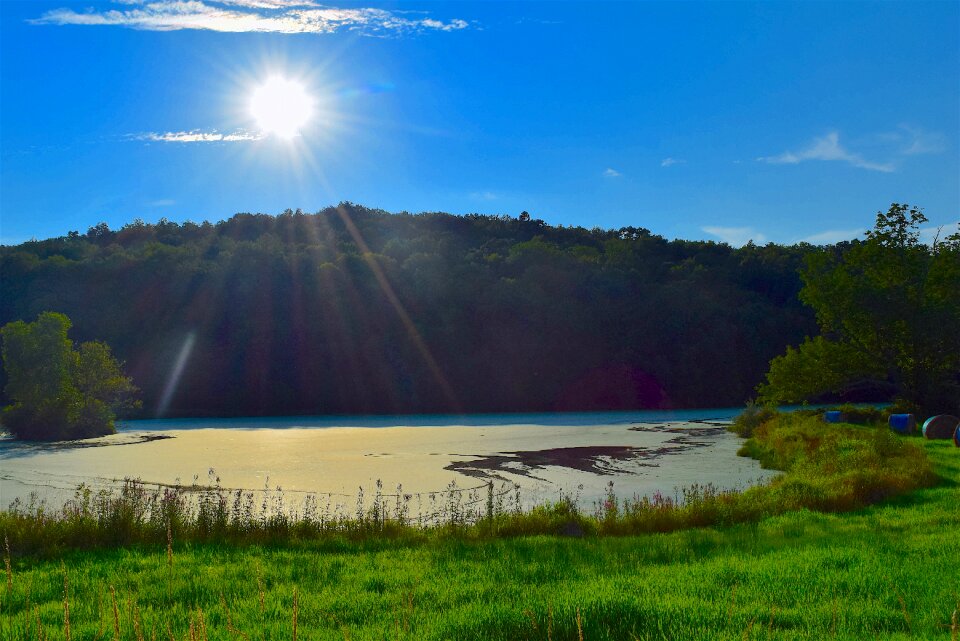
x: 602, y: 460
x: 598, y: 459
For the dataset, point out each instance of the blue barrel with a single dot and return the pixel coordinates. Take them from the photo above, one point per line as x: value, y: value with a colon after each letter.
x: 833, y: 416
x: 942, y: 426
x: 903, y: 423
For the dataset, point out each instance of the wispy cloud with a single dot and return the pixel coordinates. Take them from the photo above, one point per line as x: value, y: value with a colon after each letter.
x: 827, y: 148
x: 609, y: 172
x: 254, y: 4
x: 928, y: 234
x: 483, y: 195
x: 669, y: 162
x: 938, y: 232
x: 163, y: 202
x: 736, y: 236
x: 833, y: 236
x: 197, y: 136
x: 918, y: 141
x: 235, y: 16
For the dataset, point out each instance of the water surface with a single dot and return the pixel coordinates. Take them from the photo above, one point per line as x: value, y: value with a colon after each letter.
x: 577, y: 453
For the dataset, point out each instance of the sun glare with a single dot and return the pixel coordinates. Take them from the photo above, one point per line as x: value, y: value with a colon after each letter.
x: 281, y: 107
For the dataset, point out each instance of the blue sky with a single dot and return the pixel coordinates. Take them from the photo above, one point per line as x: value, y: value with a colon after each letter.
x: 773, y: 121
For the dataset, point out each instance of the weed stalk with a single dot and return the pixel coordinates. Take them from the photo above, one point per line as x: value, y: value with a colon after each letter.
x: 66, y: 603
x: 296, y: 607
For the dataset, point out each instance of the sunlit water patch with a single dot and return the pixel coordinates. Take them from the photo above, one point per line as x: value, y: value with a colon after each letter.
x: 544, y: 454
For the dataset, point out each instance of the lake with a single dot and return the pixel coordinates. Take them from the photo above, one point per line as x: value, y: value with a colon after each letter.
x: 641, y: 452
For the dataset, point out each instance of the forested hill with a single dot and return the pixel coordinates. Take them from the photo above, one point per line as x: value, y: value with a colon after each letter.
x: 353, y: 310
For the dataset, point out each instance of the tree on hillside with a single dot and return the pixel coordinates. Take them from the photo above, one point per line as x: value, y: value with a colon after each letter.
x: 889, y: 314
x: 290, y: 316
x: 59, y: 392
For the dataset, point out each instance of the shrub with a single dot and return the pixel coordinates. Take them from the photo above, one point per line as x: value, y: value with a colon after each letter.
x: 751, y: 418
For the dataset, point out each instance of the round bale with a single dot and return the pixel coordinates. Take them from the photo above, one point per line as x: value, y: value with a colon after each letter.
x: 903, y: 423
x: 956, y: 437
x: 940, y: 427
x: 833, y: 416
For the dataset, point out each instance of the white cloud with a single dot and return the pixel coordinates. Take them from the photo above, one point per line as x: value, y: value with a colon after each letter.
x: 609, y: 172
x: 833, y: 236
x: 235, y: 16
x: 198, y: 136
x: 736, y: 236
x: 163, y: 202
x: 938, y: 232
x: 827, y: 148
x: 667, y: 162
x: 453, y: 25
x: 483, y: 195
x: 267, y: 4
x: 919, y: 141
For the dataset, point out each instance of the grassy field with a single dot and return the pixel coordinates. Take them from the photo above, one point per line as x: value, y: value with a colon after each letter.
x: 889, y: 571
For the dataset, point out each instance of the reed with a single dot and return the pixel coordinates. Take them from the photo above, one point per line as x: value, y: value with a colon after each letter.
x: 137, y: 623
x: 296, y: 610
x: 202, y: 625
x: 40, y: 633
x: 260, y: 586
x: 169, y: 547
x: 116, y: 614
x: 8, y: 565
x: 66, y: 603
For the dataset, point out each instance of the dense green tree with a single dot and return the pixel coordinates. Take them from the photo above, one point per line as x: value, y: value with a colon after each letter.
x: 354, y: 310
x: 889, y: 314
x: 59, y: 392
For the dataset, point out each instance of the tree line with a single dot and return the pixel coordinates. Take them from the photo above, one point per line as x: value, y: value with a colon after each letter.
x: 355, y: 310
x: 889, y: 316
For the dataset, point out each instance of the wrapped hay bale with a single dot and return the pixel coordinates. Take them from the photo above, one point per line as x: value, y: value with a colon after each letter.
x: 834, y: 416
x: 943, y: 426
x: 956, y: 436
x: 903, y: 423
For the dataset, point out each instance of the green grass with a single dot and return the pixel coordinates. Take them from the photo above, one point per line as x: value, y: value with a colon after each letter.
x: 889, y: 571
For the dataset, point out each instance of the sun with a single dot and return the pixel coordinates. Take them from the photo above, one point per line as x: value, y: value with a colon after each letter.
x: 281, y: 107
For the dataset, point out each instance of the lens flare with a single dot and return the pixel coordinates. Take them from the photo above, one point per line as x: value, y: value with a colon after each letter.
x: 176, y: 373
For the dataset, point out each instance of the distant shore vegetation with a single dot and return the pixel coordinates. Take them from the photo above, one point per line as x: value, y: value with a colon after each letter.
x: 353, y: 310
x: 59, y: 391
